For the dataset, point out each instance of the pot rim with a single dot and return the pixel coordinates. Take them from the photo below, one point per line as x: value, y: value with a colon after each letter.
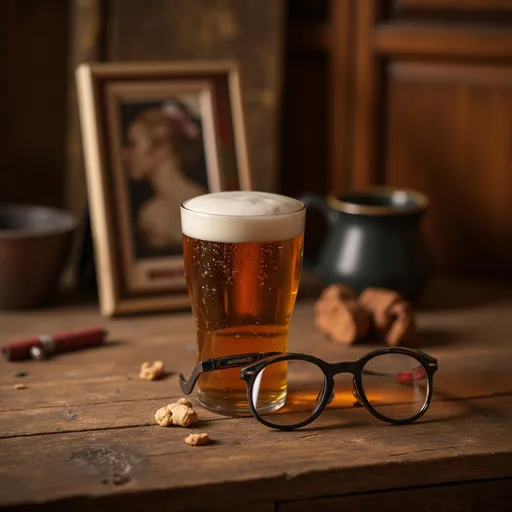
x: 344, y: 205
x: 69, y: 221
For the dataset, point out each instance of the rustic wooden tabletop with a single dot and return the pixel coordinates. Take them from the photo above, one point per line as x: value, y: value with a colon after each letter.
x: 82, y: 434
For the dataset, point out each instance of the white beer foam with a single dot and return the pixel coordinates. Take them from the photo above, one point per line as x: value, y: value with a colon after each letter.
x: 242, y: 216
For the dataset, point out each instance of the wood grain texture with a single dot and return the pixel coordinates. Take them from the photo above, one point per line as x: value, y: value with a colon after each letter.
x: 451, y: 124
x: 247, y: 31
x: 340, y: 142
x: 455, y: 5
x: 432, y: 113
x: 367, y: 108
x: 33, y: 39
x: 154, y: 462
x: 316, y: 152
x: 82, y: 433
x: 236, y: 470
x: 304, y: 161
x: 493, y: 495
x: 87, y: 25
x: 415, y: 39
x: 309, y: 36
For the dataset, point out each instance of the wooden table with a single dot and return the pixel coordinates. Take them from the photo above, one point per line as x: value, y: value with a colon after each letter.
x: 82, y: 433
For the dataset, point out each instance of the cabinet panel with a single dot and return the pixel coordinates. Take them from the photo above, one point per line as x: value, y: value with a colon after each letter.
x: 454, y: 5
x: 464, y: 40
x: 492, y: 495
x: 449, y: 135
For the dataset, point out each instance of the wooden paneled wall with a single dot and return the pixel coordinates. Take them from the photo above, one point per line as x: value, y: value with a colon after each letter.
x: 436, y: 115
x: 411, y: 93
x: 42, y: 41
x: 158, y: 30
x: 33, y: 67
x: 419, y: 95
x: 244, y: 30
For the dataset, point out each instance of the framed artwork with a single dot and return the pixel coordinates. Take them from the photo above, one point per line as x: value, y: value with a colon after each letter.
x: 154, y: 135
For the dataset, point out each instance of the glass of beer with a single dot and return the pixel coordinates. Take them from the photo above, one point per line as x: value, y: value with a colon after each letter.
x: 243, y: 254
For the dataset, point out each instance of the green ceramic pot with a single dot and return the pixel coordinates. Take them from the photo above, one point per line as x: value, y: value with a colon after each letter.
x: 374, y: 240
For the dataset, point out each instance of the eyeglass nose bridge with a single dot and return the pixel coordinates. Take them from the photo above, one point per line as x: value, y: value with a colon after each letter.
x: 345, y: 367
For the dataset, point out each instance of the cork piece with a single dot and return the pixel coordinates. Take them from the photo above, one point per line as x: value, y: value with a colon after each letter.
x: 379, y: 301
x: 338, y: 292
x: 340, y: 316
x: 392, y: 316
x: 403, y: 328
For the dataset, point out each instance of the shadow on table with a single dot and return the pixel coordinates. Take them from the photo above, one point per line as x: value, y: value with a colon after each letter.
x: 337, y: 419
x: 428, y: 337
x: 445, y: 408
x: 459, y: 294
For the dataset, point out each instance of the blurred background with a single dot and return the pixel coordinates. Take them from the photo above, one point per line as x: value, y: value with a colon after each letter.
x: 338, y: 95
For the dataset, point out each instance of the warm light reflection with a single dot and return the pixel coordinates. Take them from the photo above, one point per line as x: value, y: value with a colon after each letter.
x: 305, y: 399
x: 352, y: 248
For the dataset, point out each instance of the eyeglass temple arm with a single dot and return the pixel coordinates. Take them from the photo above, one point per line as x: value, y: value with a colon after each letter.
x: 221, y: 363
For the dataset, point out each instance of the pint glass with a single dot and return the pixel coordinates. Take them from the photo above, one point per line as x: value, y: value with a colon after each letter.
x: 242, y: 253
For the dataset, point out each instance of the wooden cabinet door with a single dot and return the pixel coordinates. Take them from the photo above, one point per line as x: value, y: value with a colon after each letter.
x: 448, y: 133
x: 432, y: 111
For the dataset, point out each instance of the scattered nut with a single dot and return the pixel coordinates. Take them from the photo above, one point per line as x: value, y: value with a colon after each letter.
x: 184, y: 401
x: 340, y: 316
x: 20, y: 373
x: 151, y: 371
x: 20, y: 386
x: 198, y: 439
x: 177, y: 414
x: 182, y: 415
x: 163, y: 417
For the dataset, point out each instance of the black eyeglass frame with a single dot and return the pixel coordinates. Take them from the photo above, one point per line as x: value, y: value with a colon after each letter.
x: 252, y: 364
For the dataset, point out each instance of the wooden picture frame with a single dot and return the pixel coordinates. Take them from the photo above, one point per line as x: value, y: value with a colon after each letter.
x: 154, y: 134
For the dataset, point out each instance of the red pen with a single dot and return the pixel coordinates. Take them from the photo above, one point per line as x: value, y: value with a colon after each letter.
x: 39, y: 347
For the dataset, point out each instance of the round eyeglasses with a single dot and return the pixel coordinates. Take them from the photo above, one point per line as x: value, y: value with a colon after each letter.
x: 394, y: 384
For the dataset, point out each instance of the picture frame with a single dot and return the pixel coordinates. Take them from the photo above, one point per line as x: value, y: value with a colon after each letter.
x: 154, y: 135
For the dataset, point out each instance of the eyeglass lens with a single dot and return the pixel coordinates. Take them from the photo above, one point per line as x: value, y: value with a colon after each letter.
x: 302, y: 390
x: 395, y: 385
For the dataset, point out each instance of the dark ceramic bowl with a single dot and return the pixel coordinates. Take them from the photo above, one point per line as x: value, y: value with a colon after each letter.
x: 35, y: 243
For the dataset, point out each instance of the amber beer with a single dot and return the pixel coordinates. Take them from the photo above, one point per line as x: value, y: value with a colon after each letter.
x: 242, y: 253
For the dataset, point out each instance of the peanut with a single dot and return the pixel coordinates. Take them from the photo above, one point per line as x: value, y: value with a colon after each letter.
x: 151, y: 371
x: 198, y: 439
x: 177, y: 414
